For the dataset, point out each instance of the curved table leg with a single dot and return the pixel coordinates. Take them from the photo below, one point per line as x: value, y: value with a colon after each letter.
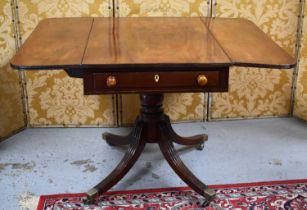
x: 116, y: 140
x: 135, y: 149
x: 197, y: 140
x: 178, y: 166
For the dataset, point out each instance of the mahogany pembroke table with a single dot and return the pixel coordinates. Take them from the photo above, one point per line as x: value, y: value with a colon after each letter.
x: 150, y: 56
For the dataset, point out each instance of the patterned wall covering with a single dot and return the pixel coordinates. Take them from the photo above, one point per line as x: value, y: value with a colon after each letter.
x: 54, y: 99
x: 180, y: 107
x: 259, y: 92
x: 11, y: 111
x: 300, y: 106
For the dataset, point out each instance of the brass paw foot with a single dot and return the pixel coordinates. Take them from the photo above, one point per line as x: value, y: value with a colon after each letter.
x: 209, y: 194
x: 200, y: 147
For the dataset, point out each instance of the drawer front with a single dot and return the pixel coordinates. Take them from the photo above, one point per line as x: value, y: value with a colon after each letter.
x: 152, y: 82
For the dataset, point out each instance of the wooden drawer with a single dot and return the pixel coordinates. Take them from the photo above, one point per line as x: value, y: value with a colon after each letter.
x: 154, y: 82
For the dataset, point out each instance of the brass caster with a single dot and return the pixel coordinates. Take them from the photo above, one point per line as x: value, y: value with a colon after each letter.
x: 92, y: 192
x: 89, y: 201
x: 205, y: 203
x: 200, y: 147
x: 90, y: 197
x: 209, y: 194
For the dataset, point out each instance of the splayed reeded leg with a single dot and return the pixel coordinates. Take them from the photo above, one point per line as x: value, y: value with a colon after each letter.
x: 136, y: 147
x: 116, y: 140
x: 197, y: 141
x: 152, y: 126
x: 170, y: 154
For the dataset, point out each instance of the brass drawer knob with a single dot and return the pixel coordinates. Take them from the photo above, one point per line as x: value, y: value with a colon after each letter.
x: 202, y: 80
x: 111, y: 81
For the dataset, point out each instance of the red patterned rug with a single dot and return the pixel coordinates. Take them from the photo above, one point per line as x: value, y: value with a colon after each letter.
x: 281, y: 195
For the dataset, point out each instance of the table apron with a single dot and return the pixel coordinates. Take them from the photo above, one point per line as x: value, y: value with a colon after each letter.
x: 96, y: 82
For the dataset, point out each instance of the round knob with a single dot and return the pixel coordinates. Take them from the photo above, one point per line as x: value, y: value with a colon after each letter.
x: 202, y: 80
x: 111, y: 81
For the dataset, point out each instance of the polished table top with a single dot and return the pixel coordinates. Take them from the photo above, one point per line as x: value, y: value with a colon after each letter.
x: 165, y: 43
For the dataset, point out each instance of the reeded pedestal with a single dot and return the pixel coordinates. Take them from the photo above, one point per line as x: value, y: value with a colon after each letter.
x: 152, y: 126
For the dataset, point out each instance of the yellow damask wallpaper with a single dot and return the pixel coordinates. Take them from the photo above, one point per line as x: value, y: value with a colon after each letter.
x: 259, y: 92
x: 54, y: 99
x: 11, y: 109
x: 168, y: 8
x: 180, y: 107
x: 300, y: 101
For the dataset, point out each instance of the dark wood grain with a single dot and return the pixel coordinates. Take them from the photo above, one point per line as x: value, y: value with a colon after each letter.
x: 144, y: 82
x: 55, y: 44
x: 246, y: 45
